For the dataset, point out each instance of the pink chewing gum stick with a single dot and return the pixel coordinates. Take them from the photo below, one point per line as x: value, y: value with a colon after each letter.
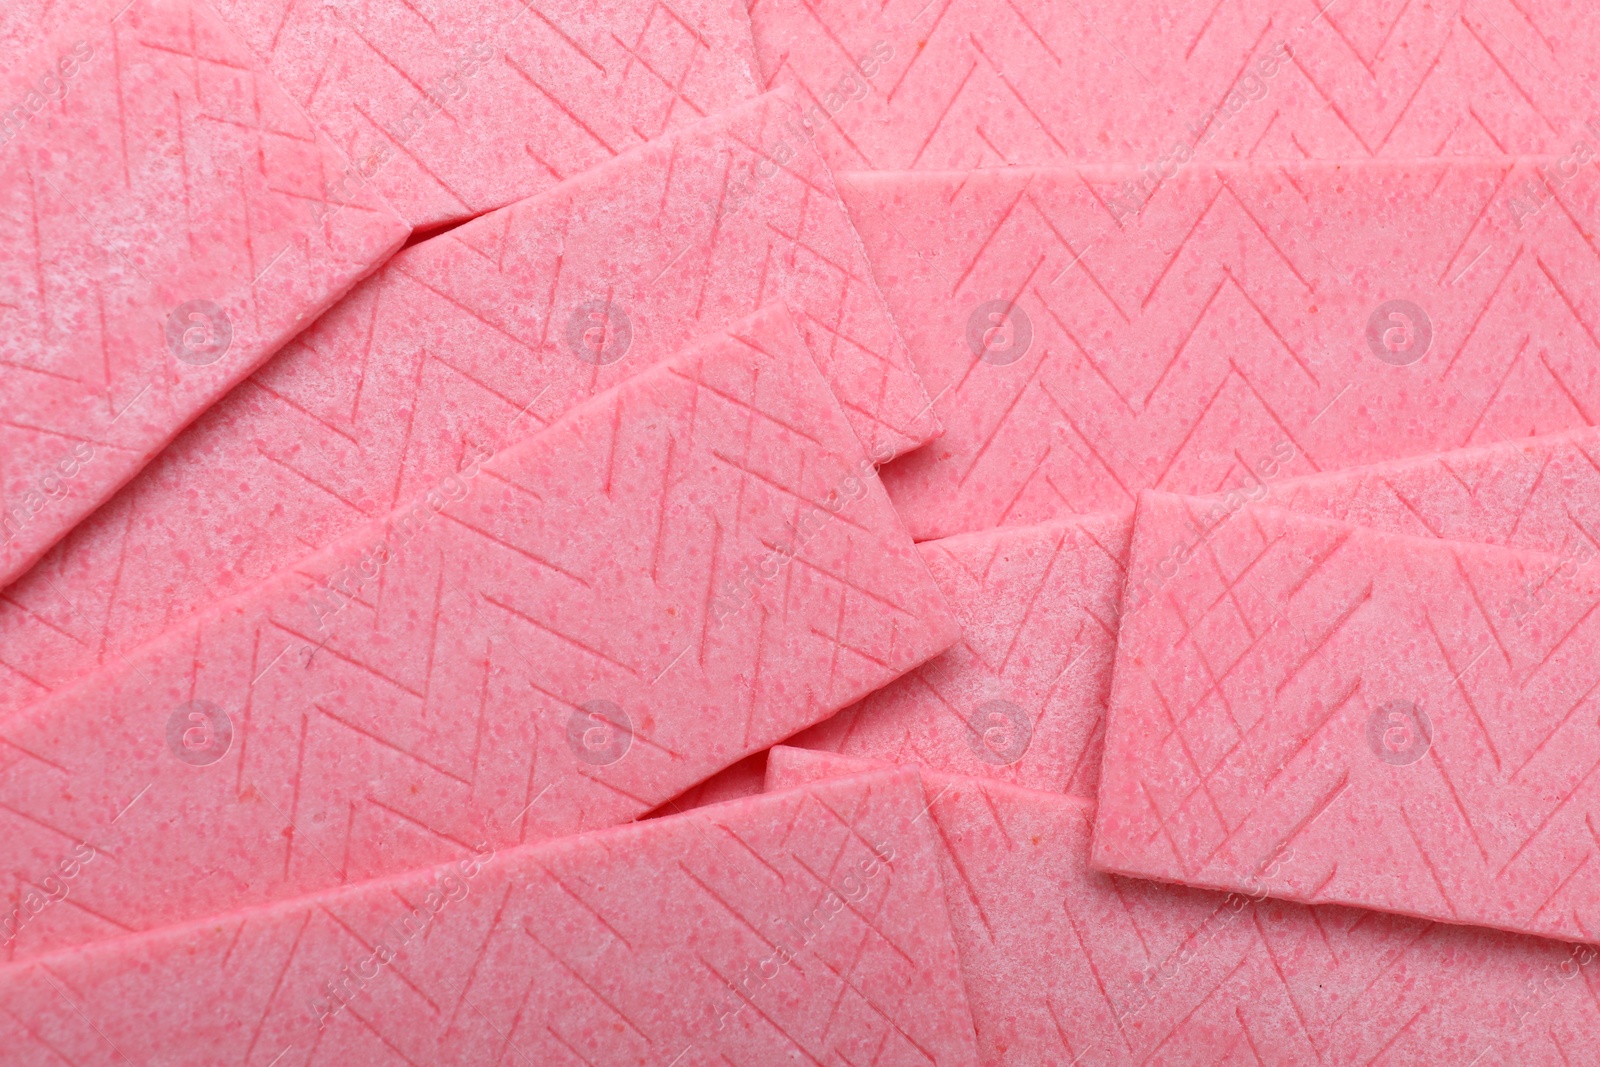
x: 1080, y: 349
x: 953, y: 84
x: 463, y: 342
x: 459, y: 107
x: 809, y: 924
x: 1063, y: 961
x: 563, y: 635
x: 1333, y: 714
x: 1022, y: 696
x: 166, y: 234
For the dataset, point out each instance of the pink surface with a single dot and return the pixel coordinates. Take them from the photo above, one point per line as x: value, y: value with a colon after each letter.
x: 158, y: 200
x: 742, y: 779
x: 962, y: 83
x: 456, y: 107
x: 464, y: 342
x: 1022, y: 696
x: 618, y: 948
x: 1227, y: 322
x: 1062, y: 961
x: 1401, y: 723
x: 24, y: 24
x: 560, y: 637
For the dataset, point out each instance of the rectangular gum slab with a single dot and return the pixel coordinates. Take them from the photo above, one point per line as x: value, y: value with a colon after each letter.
x: 464, y: 341
x: 1333, y: 714
x: 468, y: 105
x: 962, y: 84
x: 1022, y: 696
x: 166, y: 234
x: 1063, y: 961
x: 1082, y: 350
x: 819, y: 931
x: 548, y: 641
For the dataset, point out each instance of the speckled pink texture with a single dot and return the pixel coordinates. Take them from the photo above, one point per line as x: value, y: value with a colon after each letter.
x: 165, y: 234
x: 947, y: 84
x: 1333, y: 714
x: 809, y: 924
x: 1239, y: 313
x: 742, y: 779
x: 466, y: 341
x: 1062, y: 961
x: 455, y: 107
x: 1039, y: 605
x: 505, y: 658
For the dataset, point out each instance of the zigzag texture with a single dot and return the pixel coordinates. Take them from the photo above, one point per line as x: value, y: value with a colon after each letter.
x: 541, y: 956
x: 457, y: 107
x: 1021, y: 697
x: 1063, y: 962
x: 1239, y: 314
x: 168, y: 170
x: 506, y: 659
x: 464, y: 342
x: 957, y: 84
x: 1289, y: 685
x: 1039, y: 606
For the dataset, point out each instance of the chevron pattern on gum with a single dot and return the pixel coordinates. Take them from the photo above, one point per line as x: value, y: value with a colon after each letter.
x: 951, y: 84
x: 1332, y: 714
x: 1062, y: 961
x: 459, y: 107
x: 1039, y: 606
x: 1228, y: 316
x: 459, y: 343
x: 569, y: 952
x: 171, y: 173
x: 469, y: 667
